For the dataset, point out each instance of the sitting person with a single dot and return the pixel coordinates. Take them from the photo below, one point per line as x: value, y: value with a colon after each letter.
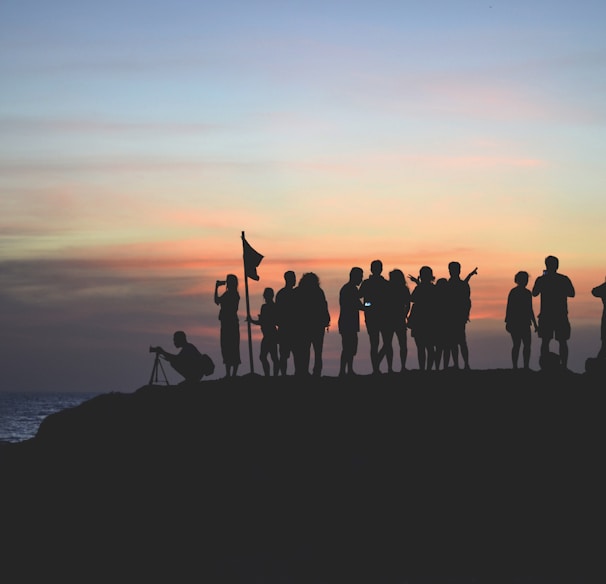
x: 188, y: 362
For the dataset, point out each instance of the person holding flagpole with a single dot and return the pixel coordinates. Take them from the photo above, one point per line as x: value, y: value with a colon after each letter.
x: 229, y: 303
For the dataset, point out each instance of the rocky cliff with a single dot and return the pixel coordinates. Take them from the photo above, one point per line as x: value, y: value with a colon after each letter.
x: 423, y: 477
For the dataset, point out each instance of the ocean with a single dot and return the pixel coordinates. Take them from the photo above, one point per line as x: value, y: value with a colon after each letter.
x: 22, y: 412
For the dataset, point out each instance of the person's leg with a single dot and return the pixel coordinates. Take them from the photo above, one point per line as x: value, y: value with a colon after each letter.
x: 403, y: 344
x: 346, y: 354
x: 318, y: 346
x: 464, y: 349
x: 564, y: 354
x: 373, y: 337
x: 515, y: 350
x: 387, y: 349
x: 526, y: 341
x: 420, y: 353
x: 273, y: 353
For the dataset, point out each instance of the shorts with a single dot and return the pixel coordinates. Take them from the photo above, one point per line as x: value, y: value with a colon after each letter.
x: 558, y: 328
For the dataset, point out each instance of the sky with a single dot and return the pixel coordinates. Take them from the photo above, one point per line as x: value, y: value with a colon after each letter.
x: 138, y: 140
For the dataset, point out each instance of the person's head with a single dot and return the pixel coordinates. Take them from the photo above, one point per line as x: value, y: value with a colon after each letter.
x: 521, y: 278
x: 552, y: 263
x: 290, y: 278
x: 231, y: 282
x: 426, y: 274
x: 441, y: 282
x: 268, y: 294
x: 376, y: 267
x: 396, y: 276
x: 179, y: 339
x: 454, y: 269
x: 309, y: 280
x: 356, y: 275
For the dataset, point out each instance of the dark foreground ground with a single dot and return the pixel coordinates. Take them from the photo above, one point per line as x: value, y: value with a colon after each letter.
x: 481, y: 476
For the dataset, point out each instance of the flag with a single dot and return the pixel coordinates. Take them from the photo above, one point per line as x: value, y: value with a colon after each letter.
x: 252, y: 259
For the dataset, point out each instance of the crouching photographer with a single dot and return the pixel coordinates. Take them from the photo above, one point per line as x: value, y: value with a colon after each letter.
x: 188, y: 362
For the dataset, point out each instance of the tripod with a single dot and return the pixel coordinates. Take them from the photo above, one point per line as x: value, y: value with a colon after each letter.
x: 156, y: 369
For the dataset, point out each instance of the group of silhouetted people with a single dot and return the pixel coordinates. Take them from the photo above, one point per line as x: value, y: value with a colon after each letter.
x: 294, y: 320
x: 436, y: 313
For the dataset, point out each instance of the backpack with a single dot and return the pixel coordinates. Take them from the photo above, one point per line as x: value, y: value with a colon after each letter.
x: 207, y: 365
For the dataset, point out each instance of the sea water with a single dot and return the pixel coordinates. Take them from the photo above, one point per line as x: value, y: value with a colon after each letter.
x: 21, y: 413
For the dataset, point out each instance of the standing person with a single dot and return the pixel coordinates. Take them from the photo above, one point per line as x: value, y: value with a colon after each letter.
x: 554, y: 289
x: 374, y: 291
x: 443, y: 343
x: 421, y: 320
x: 396, y: 315
x: 600, y: 292
x: 286, y: 319
x: 313, y: 319
x: 459, y: 306
x: 350, y: 306
x: 519, y: 315
x: 268, y: 319
x: 229, y: 303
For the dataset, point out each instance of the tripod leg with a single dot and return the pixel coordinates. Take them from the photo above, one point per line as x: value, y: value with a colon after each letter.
x: 163, y: 372
x: 154, y: 374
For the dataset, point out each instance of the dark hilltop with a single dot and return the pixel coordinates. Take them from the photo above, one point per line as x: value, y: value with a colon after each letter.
x: 445, y: 476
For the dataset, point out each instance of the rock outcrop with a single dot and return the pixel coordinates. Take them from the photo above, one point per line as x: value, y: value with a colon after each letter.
x: 423, y: 477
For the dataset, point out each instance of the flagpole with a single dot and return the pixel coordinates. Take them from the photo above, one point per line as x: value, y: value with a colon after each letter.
x: 250, y: 354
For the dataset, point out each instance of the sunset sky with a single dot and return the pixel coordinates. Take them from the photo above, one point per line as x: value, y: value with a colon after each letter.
x: 139, y: 139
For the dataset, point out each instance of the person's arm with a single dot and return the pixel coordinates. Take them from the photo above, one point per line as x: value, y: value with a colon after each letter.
x: 165, y: 354
x: 217, y: 284
x: 252, y: 320
x: 472, y: 273
x: 599, y: 291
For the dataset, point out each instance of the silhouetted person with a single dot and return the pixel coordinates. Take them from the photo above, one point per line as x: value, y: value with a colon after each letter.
x: 554, y: 289
x: 350, y: 306
x: 188, y: 362
x: 421, y: 319
x: 374, y: 291
x: 286, y: 319
x: 229, y: 303
x: 313, y: 318
x: 268, y: 319
x: 397, y: 306
x: 600, y: 292
x: 459, y: 305
x: 519, y: 316
x: 442, y: 326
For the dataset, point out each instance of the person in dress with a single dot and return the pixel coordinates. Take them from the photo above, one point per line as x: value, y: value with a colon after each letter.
x: 229, y: 303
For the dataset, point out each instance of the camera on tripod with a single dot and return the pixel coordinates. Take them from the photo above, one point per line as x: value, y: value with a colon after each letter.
x: 158, y: 368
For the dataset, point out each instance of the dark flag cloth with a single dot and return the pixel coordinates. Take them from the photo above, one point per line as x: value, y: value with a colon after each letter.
x: 252, y: 259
